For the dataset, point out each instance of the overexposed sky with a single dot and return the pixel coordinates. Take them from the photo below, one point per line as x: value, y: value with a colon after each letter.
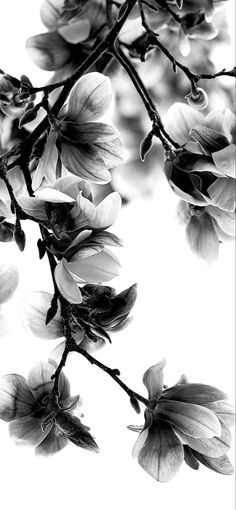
x: 184, y: 312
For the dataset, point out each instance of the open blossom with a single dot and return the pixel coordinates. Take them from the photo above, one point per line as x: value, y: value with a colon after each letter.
x: 34, y: 418
x: 86, y: 148
x: 101, y: 312
x: 202, y: 173
x: 183, y: 421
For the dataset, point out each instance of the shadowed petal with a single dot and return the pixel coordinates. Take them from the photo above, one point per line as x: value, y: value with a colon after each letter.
x: 209, y: 139
x: 214, y: 447
x: 90, y: 98
x: 66, y: 283
x: 194, y: 393
x: 48, y: 51
x: 28, y: 430
x: 162, y: 454
x: 50, y: 12
x: 153, y: 380
x: 221, y: 465
x: 46, y: 168
x: 202, y: 237
x: 16, y: 399
x: 179, y: 119
x: 75, y: 431
x: 85, y: 161
x: 53, y: 443
x: 190, y: 459
x: 33, y: 206
x: 191, y: 419
x: 90, y: 132
x: 111, y: 152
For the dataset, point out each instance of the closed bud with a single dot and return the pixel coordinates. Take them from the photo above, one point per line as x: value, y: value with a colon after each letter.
x: 9, y: 279
x: 41, y: 248
x: 145, y: 146
x: 19, y: 237
x: 198, y: 99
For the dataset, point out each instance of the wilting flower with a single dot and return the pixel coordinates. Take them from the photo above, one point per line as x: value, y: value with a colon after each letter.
x: 85, y: 147
x: 186, y: 417
x: 202, y: 173
x: 101, y: 312
x: 35, y: 419
x: 9, y: 278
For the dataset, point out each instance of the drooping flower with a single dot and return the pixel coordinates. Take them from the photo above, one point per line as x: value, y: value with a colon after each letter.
x: 187, y: 416
x: 101, y: 312
x: 202, y: 173
x: 35, y: 419
x: 86, y: 148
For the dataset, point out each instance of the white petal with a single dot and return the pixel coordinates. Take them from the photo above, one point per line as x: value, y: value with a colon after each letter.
x: 66, y: 283
x: 76, y: 32
x: 33, y: 312
x: 153, y: 379
x: 225, y: 160
x: 180, y: 118
x: 90, y: 98
x: 53, y: 195
x: 100, y: 267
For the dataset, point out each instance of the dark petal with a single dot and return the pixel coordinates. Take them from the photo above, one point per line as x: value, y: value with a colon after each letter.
x: 120, y: 306
x: 16, y: 399
x: 189, y: 458
x: 85, y: 162
x: 209, y: 139
x: 162, y: 453
x: 53, y: 443
x: 191, y: 162
x: 28, y: 430
x: 194, y: 393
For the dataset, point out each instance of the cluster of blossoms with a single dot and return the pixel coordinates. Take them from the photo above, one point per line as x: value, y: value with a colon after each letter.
x: 76, y: 150
x: 202, y: 174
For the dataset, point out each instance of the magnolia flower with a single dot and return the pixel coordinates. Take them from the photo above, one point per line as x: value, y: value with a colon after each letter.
x: 85, y: 147
x: 66, y: 208
x: 202, y: 173
x: 34, y: 417
x: 101, y: 312
x: 72, y: 31
x: 186, y: 417
x: 9, y: 278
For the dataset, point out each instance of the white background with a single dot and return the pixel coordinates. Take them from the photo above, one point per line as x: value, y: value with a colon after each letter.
x: 184, y: 312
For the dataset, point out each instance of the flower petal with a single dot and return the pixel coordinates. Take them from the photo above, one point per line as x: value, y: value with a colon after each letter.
x: 34, y: 311
x: 224, y: 410
x: 75, y: 431
x: 16, y: 399
x: 222, y: 193
x: 221, y: 465
x: 76, y: 32
x: 202, y: 237
x: 190, y: 459
x: 28, y: 430
x: 209, y: 139
x: 53, y: 443
x: 46, y: 168
x: 193, y: 393
x: 162, y: 454
x: 107, y: 211
x: 89, y: 132
x: 50, y: 12
x: 214, y: 447
x: 72, y: 186
x: 111, y: 152
x: 89, y: 98
x: 225, y: 219
x: 48, y: 51
x: 85, y: 161
x: 101, y: 267
x: 39, y: 379
x: 33, y: 206
x: 191, y: 419
x: 179, y: 119
x: 224, y: 160
x: 53, y: 195
x: 66, y: 283
x: 153, y: 379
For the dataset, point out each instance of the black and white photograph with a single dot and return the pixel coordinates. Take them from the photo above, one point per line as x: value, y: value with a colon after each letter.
x: 117, y: 254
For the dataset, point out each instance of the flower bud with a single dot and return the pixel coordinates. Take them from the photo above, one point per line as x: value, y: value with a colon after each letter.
x: 146, y: 146
x: 198, y: 99
x: 9, y: 278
